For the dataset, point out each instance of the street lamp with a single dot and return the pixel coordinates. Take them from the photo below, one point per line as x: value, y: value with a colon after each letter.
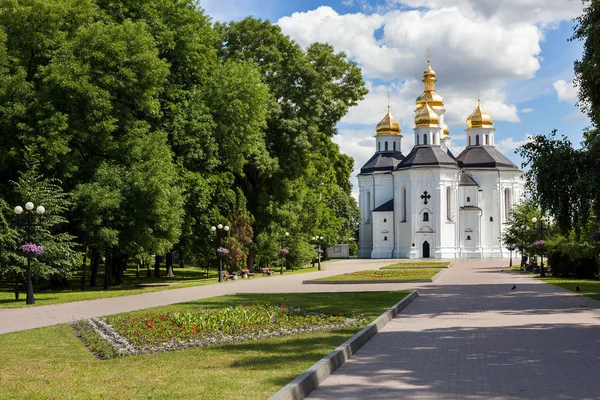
x: 30, y: 250
x: 219, y: 232
x: 541, y: 228
x: 319, y: 251
x: 282, y: 250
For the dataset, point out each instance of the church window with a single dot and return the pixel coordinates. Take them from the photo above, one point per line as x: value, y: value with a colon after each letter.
x: 491, y: 219
x: 487, y: 139
x: 476, y: 140
x: 385, y: 220
x: 424, y: 138
x: 368, y: 207
x: 469, y: 140
x: 379, y: 146
x: 507, y: 203
x: 434, y: 139
x: 394, y: 146
x: 386, y: 146
x: 417, y: 140
x: 448, y: 203
x: 404, y: 204
x: 468, y: 199
x: 385, y: 238
x: 468, y: 237
x: 425, y: 217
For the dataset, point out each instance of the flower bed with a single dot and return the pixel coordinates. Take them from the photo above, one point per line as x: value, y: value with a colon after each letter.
x: 383, y: 275
x: 118, y: 336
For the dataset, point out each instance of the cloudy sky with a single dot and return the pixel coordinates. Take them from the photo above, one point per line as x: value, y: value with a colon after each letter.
x: 515, y: 53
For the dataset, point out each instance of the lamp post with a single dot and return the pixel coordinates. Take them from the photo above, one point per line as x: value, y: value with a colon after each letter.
x: 40, y: 210
x: 220, y: 231
x: 283, y: 251
x: 541, y: 228
x: 511, y: 248
x: 319, y: 251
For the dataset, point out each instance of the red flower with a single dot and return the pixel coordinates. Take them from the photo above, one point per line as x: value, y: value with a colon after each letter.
x: 282, y: 304
x: 340, y: 313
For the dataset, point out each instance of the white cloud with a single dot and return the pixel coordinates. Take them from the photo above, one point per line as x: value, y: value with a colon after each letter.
x: 565, y: 91
x: 526, y: 110
x: 578, y: 117
x: 507, y: 146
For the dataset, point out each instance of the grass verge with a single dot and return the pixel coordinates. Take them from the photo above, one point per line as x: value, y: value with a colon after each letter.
x: 588, y: 288
x: 385, y: 275
x: 417, y: 264
x: 52, y: 363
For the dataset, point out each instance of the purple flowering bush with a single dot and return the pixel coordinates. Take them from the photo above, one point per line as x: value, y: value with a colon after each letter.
x: 511, y: 247
x: 223, y: 251
x: 284, y: 251
x: 31, y: 250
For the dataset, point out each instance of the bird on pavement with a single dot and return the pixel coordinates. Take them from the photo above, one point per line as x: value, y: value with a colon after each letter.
x: 577, y: 288
x: 501, y: 270
x: 514, y: 287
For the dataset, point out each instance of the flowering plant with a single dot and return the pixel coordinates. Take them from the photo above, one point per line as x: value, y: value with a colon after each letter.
x: 31, y: 250
x: 320, y: 251
x: 511, y: 247
x: 222, y: 251
x: 284, y: 251
x: 539, y: 243
x: 520, y: 246
x: 595, y: 237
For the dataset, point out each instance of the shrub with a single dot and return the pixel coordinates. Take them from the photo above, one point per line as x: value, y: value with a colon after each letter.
x: 571, y: 258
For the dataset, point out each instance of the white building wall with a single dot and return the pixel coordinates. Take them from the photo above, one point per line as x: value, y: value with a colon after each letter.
x: 365, y: 230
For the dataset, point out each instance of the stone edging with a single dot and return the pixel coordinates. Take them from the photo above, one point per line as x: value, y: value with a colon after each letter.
x: 376, y: 282
x: 310, y: 379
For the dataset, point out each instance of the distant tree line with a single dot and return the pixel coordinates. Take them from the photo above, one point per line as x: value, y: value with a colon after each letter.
x: 139, y: 124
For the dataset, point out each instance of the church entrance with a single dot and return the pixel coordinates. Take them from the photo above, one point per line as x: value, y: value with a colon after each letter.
x: 426, y: 249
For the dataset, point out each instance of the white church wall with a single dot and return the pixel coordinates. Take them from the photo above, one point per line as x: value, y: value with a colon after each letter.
x: 365, y: 231
x: 446, y: 211
x: 402, y: 205
x: 383, y: 234
x: 384, y: 187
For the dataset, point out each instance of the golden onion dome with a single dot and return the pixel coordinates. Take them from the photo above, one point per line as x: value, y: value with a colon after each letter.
x: 479, y: 118
x: 426, y: 117
x: 388, y: 125
x: 446, y: 130
x: 429, y: 95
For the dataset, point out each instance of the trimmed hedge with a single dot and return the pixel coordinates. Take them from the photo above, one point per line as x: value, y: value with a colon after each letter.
x: 569, y: 258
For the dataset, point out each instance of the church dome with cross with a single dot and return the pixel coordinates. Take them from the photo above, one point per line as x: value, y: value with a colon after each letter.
x: 431, y: 203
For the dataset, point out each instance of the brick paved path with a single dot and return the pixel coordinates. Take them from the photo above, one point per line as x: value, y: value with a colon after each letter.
x: 468, y: 336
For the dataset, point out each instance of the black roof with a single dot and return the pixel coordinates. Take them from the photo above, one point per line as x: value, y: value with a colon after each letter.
x: 466, y: 180
x: 383, y: 161
x: 484, y: 157
x: 387, y: 206
x: 428, y: 156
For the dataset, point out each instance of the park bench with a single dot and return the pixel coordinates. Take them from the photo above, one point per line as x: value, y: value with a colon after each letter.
x: 247, y: 273
x: 226, y: 275
x: 267, y: 271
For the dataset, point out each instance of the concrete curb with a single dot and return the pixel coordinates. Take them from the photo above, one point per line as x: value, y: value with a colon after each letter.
x: 310, y: 379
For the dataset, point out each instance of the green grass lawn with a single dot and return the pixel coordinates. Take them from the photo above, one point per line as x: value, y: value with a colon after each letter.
x: 184, y: 277
x: 416, y: 264
x: 385, y: 275
x: 52, y: 363
x: 588, y: 288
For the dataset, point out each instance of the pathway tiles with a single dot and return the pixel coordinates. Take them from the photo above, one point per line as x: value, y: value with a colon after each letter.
x: 468, y: 336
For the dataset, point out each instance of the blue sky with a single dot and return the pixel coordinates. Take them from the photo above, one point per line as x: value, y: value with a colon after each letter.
x: 515, y: 53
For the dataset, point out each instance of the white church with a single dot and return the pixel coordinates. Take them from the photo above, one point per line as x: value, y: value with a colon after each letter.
x: 430, y: 203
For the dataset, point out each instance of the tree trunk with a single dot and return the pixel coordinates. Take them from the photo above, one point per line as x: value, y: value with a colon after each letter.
x: 94, y: 268
x: 169, y: 264
x: 157, y: 266
x: 118, y: 266
x: 250, y: 261
x: 108, y: 270
x: 138, y: 266
x: 181, y: 259
x: 149, y: 270
x: 83, y: 265
x: 16, y: 288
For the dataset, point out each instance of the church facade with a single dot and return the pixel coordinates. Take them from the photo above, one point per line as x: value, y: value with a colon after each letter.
x: 431, y: 203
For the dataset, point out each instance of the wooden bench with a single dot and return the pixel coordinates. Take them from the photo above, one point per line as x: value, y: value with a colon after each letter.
x: 267, y: 271
x: 226, y: 275
x: 247, y: 273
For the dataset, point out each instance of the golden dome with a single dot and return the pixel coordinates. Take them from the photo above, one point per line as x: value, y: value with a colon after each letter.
x: 388, y: 125
x: 446, y: 130
x: 479, y: 118
x: 426, y: 117
x: 429, y: 95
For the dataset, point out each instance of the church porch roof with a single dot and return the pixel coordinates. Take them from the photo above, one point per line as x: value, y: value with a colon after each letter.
x: 385, y: 161
x: 428, y: 156
x: 387, y: 206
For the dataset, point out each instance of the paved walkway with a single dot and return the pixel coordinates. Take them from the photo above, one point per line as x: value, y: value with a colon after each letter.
x: 17, y: 319
x: 468, y: 336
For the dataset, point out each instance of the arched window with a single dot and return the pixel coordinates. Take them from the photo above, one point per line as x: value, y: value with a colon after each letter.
x: 425, y: 216
x: 476, y: 140
x: 491, y: 219
x: 469, y: 140
x: 448, y: 203
x: 468, y: 237
x: 507, y: 203
x: 404, y: 204
x: 468, y: 199
x: 394, y: 146
x: 386, y: 146
x: 385, y: 238
x: 424, y: 138
x: 379, y: 146
x: 368, y: 218
x: 417, y: 140
x: 487, y: 139
x: 385, y: 220
x: 434, y: 138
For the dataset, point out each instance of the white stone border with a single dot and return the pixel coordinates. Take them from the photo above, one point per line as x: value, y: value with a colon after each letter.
x: 310, y: 379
